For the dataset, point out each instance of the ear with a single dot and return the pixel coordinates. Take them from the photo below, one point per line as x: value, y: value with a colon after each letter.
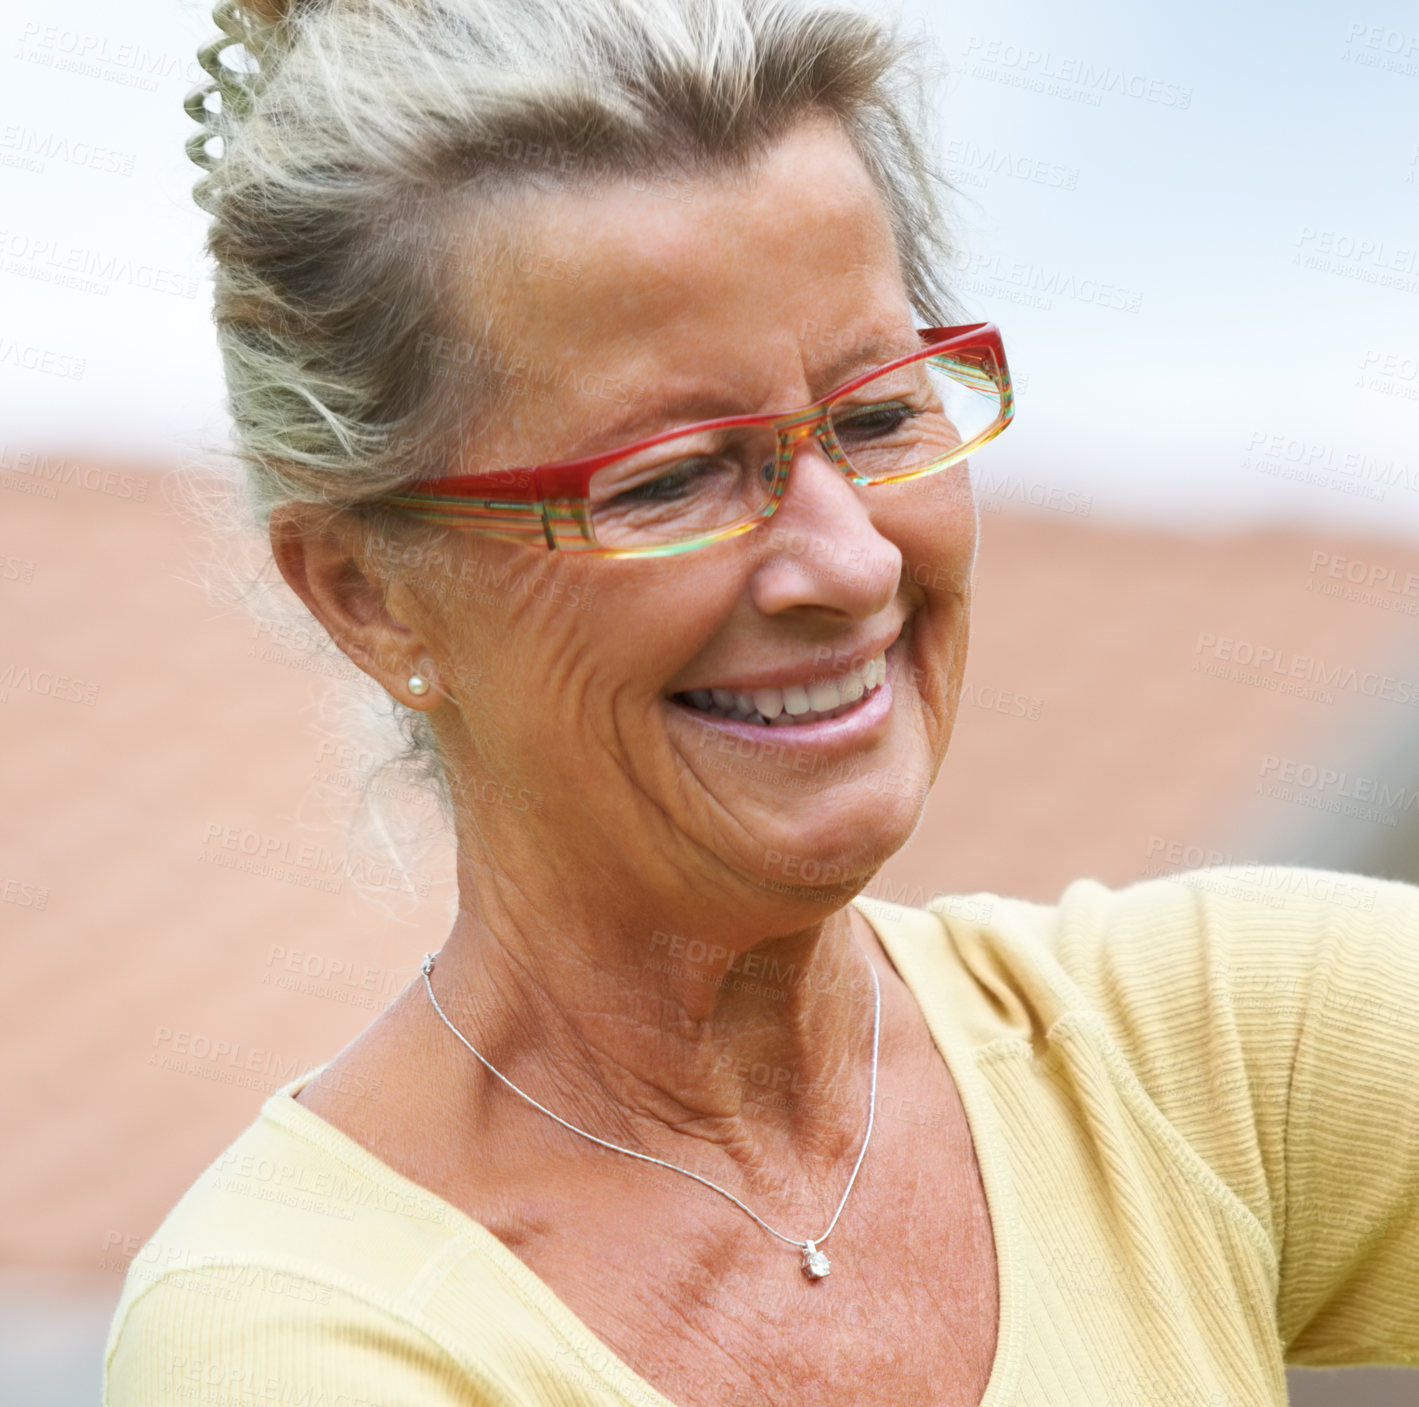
x: 320, y: 554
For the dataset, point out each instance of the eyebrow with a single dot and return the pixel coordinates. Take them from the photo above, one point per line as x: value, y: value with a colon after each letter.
x: 876, y: 353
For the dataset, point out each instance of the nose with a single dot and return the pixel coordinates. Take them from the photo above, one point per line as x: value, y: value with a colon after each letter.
x: 821, y: 550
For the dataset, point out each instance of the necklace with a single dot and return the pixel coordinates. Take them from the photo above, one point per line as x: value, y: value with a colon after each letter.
x: 815, y: 1263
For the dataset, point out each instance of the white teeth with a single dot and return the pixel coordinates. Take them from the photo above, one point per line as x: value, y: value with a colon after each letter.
x: 794, y: 702
x: 769, y: 702
x: 795, y: 699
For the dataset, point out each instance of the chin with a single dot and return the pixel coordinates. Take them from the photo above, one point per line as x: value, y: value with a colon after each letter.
x: 835, y: 839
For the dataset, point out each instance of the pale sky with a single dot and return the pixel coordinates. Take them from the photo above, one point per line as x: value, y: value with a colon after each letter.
x: 1198, y: 228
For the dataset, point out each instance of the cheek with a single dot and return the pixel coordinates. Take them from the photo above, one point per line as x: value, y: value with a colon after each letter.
x: 576, y: 631
x: 496, y: 617
x: 934, y: 524
x: 656, y: 615
x: 948, y: 501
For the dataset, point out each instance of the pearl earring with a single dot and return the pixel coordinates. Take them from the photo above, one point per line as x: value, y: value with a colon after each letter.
x: 418, y: 684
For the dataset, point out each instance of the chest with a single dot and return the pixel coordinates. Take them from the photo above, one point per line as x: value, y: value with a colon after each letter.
x: 714, y: 1312
x: 883, y: 1334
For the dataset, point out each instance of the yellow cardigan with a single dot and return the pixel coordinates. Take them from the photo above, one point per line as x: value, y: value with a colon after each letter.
x: 1195, y: 1105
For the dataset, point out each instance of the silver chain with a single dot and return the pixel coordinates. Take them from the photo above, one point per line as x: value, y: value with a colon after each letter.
x: 809, y: 1248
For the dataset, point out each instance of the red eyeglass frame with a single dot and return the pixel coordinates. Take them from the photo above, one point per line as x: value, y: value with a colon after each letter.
x: 548, y: 502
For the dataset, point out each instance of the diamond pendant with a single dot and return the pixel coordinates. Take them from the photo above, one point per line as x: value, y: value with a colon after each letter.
x: 815, y: 1263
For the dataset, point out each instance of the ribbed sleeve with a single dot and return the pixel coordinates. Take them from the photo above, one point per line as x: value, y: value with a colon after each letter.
x: 1272, y: 1016
x: 1350, y: 1254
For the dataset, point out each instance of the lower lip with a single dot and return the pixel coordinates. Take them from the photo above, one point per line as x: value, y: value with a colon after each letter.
x: 856, y: 725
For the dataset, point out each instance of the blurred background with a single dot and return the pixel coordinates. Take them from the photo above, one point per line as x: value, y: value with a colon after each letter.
x: 1197, y: 624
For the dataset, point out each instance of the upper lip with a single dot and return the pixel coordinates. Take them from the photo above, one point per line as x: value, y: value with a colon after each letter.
x: 783, y: 677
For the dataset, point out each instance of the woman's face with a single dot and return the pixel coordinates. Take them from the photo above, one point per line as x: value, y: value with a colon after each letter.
x: 629, y: 309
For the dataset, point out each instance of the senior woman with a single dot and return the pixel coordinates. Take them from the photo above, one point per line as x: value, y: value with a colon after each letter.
x: 595, y: 380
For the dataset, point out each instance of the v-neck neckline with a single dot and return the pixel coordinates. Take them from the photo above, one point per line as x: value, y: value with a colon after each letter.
x: 900, y: 937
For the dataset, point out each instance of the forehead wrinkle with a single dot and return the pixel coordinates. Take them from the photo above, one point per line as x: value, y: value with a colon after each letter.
x: 652, y: 250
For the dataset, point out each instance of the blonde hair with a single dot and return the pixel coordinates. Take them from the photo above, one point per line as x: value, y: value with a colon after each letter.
x: 359, y: 139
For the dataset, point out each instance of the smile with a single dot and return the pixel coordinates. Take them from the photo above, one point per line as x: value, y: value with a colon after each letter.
x: 795, y: 704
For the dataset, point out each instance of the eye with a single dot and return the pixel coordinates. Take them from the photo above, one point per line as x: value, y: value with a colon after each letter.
x: 881, y: 419
x: 674, y: 483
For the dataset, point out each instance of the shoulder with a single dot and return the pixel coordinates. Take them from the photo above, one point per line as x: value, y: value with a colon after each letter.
x: 252, y: 1331
x: 300, y: 1268
x: 285, y: 1185
x: 288, y: 1240
x: 1266, y: 1013
x: 1147, y: 960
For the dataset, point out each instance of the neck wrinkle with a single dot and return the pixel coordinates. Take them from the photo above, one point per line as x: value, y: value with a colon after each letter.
x: 765, y: 1089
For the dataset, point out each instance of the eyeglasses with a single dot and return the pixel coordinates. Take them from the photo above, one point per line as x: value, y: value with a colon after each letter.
x: 696, y: 484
